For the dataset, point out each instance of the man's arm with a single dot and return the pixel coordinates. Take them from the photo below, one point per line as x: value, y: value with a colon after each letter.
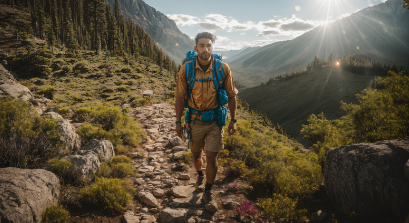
x: 179, y: 107
x: 232, y: 107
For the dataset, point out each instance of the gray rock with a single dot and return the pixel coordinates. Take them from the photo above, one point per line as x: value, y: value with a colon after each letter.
x: 147, y: 93
x: 145, y: 169
x: 369, y: 178
x: 192, y: 198
x: 191, y: 220
x: 10, y: 88
x: 129, y: 217
x: 148, y: 199
x: 5, y: 74
x: 148, y: 219
x: 68, y: 133
x: 158, y: 192
x: 176, y: 141
x: 183, y: 176
x: 406, y: 169
x: 182, y: 191
x: 173, y: 215
x: 179, y: 148
x: 103, y: 148
x: 86, y: 163
x: 135, y: 155
x: 231, y: 205
x: 25, y: 194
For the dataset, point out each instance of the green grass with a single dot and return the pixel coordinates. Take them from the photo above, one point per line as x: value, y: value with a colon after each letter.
x: 290, y: 103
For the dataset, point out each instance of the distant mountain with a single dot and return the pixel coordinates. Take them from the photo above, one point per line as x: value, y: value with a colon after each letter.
x: 162, y: 29
x: 381, y: 32
x: 291, y: 102
x: 232, y: 55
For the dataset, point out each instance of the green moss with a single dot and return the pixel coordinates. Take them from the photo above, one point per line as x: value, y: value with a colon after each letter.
x: 55, y: 214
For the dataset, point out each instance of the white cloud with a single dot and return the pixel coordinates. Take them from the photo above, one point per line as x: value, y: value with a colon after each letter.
x: 209, y: 26
x: 181, y: 19
x: 297, y: 26
x: 268, y: 33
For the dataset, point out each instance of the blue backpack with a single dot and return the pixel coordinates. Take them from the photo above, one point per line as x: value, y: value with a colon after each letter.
x: 218, y: 78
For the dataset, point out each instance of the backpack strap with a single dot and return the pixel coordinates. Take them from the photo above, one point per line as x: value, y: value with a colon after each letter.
x: 218, y: 73
x: 190, y: 72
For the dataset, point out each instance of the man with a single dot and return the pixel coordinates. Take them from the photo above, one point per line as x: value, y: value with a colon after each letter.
x: 205, y: 136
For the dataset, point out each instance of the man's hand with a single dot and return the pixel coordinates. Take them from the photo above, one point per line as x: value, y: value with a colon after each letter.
x: 232, y: 128
x: 179, y: 130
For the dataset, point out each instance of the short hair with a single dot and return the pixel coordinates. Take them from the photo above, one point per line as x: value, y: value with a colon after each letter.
x: 205, y: 35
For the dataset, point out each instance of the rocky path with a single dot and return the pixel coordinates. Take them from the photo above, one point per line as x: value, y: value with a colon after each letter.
x: 165, y: 183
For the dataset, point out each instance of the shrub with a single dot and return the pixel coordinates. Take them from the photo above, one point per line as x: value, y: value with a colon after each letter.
x: 81, y: 67
x: 47, y: 91
x: 112, y: 195
x: 282, y: 206
x: 120, y: 159
x: 121, y: 170
x: 55, y: 214
x: 126, y: 70
x: 64, y: 111
x: 123, y: 88
x: 25, y: 138
x: 34, y: 63
x: 77, y: 99
x: 104, y: 171
x: 266, y: 161
x: 139, y: 102
x: 108, y: 122
x: 63, y: 168
x: 66, y: 69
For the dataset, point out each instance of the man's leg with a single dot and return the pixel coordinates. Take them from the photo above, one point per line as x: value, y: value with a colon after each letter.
x: 197, y: 160
x: 211, y: 167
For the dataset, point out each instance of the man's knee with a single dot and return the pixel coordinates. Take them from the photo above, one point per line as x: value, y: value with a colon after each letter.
x: 197, y: 156
x: 211, y: 158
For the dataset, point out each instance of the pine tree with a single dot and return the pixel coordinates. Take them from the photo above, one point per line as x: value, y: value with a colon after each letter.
x: 69, y: 36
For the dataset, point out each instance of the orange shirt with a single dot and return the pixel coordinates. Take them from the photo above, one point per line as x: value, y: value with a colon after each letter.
x: 204, y: 93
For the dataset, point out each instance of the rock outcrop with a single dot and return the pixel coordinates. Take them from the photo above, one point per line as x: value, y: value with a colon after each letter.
x: 173, y: 215
x: 103, y: 148
x: 10, y: 88
x: 369, y: 178
x: 5, y: 74
x: 69, y: 136
x: 25, y: 194
x: 86, y: 163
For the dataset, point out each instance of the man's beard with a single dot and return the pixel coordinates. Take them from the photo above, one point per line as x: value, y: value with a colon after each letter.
x: 205, y: 56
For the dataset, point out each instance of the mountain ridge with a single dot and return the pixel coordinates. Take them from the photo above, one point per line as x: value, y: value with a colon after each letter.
x: 162, y: 29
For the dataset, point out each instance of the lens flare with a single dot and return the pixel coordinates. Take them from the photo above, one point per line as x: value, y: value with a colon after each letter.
x: 298, y: 8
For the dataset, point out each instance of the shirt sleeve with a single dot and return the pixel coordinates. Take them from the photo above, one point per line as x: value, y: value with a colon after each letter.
x: 228, y: 83
x: 181, y: 86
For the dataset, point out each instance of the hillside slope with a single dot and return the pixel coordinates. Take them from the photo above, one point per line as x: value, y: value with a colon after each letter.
x: 289, y: 103
x: 381, y: 31
x: 162, y: 29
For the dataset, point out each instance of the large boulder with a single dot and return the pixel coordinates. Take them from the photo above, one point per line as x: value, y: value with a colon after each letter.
x: 86, y: 163
x: 5, y: 74
x: 10, y: 88
x: 68, y: 135
x: 103, y: 148
x: 25, y: 194
x: 369, y: 178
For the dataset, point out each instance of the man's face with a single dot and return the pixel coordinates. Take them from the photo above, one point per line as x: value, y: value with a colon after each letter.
x: 204, y: 48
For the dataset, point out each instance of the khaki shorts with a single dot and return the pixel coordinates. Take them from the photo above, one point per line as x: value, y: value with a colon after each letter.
x: 206, y: 136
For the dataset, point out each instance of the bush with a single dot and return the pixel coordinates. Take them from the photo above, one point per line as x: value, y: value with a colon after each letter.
x: 64, y: 111
x: 139, y: 102
x: 81, y: 67
x: 66, y: 69
x: 112, y: 195
x: 64, y: 169
x: 123, y: 88
x: 282, y: 207
x: 121, y: 170
x: 108, y: 122
x: 120, y: 159
x: 104, y: 171
x: 56, y: 214
x: 25, y: 138
x: 47, y: 91
x: 34, y: 63
x: 268, y: 160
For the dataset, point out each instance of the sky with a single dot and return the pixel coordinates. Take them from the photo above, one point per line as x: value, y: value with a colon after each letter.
x: 247, y: 23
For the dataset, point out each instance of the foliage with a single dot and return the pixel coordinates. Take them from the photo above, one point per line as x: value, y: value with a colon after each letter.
x: 112, y: 195
x: 26, y: 139
x: 269, y: 162
x: 47, y: 91
x: 64, y: 111
x: 55, y: 214
x: 104, y: 171
x: 139, y: 102
x: 104, y: 121
x: 120, y: 159
x: 282, y: 206
x: 64, y: 169
x: 381, y: 115
x: 246, y: 208
x: 121, y: 170
x: 81, y: 67
x: 34, y: 63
